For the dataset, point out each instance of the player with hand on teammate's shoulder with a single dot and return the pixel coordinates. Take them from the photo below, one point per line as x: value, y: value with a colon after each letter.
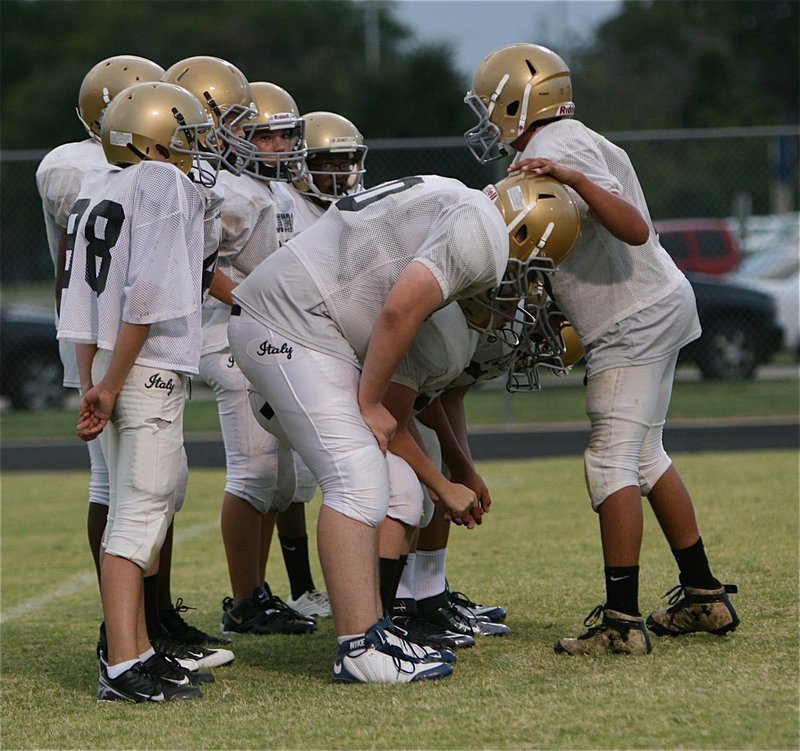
x: 633, y: 310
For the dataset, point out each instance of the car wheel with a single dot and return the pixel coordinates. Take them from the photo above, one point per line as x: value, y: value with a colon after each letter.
x: 38, y: 382
x: 728, y: 350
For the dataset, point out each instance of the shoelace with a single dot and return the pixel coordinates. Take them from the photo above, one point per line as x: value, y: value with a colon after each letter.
x: 674, y: 596
x: 317, y: 597
x: 459, y: 598
x: 459, y: 617
x: 591, y: 622
x: 191, y: 632
x: 679, y: 590
x: 392, y: 650
x: 417, y: 650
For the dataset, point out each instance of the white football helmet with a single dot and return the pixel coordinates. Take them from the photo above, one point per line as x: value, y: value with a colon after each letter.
x: 515, y: 87
x: 276, y: 114
x: 105, y: 80
x: 335, y: 160
x: 163, y: 123
x: 226, y: 95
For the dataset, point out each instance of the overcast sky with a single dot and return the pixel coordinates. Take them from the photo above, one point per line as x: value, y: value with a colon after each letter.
x: 476, y: 27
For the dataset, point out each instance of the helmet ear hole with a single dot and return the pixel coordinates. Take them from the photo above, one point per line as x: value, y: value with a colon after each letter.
x: 163, y: 151
x: 521, y: 235
x: 513, y: 108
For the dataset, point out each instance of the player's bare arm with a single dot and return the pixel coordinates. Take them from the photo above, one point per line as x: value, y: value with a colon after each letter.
x: 407, y: 444
x: 451, y: 432
x: 617, y: 215
x: 221, y: 288
x: 415, y: 295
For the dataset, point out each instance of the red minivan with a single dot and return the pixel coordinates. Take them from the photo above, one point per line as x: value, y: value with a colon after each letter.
x: 704, y: 246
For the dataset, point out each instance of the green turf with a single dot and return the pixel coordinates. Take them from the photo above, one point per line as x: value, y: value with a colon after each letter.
x: 493, y: 406
x: 537, y: 553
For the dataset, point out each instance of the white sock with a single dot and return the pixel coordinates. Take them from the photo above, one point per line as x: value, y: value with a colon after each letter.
x: 147, y: 655
x: 429, y: 573
x: 405, y: 590
x: 115, y: 671
x: 348, y: 637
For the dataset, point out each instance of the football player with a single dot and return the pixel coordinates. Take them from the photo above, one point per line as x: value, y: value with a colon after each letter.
x: 134, y: 315
x: 348, y: 295
x: 333, y: 168
x: 59, y: 177
x: 262, y: 140
x: 632, y: 310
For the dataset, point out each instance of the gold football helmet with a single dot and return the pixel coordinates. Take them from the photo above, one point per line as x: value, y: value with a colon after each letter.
x: 515, y: 87
x: 163, y: 123
x: 553, y: 345
x: 276, y: 114
x: 226, y: 94
x: 336, y: 155
x: 105, y: 80
x: 543, y: 225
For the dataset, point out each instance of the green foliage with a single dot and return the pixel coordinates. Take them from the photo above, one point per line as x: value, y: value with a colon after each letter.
x: 315, y: 49
x: 537, y: 553
x: 682, y: 63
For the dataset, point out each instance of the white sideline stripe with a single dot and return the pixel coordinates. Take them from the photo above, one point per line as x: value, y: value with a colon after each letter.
x: 82, y: 581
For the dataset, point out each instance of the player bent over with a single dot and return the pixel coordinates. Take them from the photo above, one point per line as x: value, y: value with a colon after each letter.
x: 131, y: 302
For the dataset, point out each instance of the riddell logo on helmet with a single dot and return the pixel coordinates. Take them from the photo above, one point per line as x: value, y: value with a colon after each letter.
x: 566, y: 109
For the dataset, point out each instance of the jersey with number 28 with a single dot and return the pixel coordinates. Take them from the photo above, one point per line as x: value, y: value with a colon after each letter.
x: 135, y: 254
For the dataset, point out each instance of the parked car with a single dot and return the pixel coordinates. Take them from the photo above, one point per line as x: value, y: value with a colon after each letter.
x: 740, y: 329
x: 31, y: 373
x: 777, y: 272
x: 766, y: 232
x: 701, y: 246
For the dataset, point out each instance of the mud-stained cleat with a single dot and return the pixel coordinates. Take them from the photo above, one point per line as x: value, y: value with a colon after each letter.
x: 617, y: 633
x: 692, y: 610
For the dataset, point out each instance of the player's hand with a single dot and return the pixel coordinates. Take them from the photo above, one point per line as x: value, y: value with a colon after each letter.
x: 540, y: 166
x: 473, y: 480
x: 97, y: 404
x: 462, y: 505
x: 380, y: 421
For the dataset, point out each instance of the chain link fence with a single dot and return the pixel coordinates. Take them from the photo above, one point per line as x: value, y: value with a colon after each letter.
x: 729, y: 174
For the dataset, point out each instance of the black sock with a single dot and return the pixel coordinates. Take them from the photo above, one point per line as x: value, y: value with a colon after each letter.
x: 406, y: 606
x: 151, y: 619
x: 400, y: 569
x: 622, y: 589
x: 693, y: 564
x: 298, y: 569
x: 389, y: 576
x: 430, y: 605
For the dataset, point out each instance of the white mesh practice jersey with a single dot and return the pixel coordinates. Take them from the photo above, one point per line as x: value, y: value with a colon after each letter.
x: 440, y: 351
x: 136, y: 256
x: 58, y: 178
x: 354, y: 253
x: 306, y: 211
x: 249, y: 233
x: 603, y: 280
x: 492, y: 358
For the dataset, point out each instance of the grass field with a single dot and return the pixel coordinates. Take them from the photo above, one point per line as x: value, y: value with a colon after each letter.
x: 537, y: 554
